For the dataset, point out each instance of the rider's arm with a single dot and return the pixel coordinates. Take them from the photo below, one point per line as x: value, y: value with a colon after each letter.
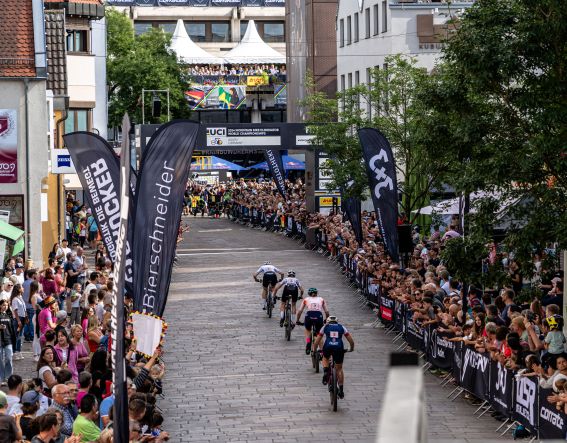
x: 350, y: 341
x: 325, y: 309
x: 301, y: 306
x: 301, y: 290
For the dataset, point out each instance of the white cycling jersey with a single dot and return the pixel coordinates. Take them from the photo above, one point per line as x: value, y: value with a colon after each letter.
x: 291, y: 282
x: 267, y: 268
x: 314, y: 304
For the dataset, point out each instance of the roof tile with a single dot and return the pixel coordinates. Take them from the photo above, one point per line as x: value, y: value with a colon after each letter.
x: 55, y: 43
x: 17, y: 53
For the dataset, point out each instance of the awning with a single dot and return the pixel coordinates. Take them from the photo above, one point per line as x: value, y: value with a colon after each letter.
x: 214, y: 163
x: 71, y: 182
x: 14, y: 234
x: 289, y: 164
x: 252, y: 49
x: 188, y: 51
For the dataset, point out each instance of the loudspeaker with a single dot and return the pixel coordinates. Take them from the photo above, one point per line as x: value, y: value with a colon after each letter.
x: 404, y: 239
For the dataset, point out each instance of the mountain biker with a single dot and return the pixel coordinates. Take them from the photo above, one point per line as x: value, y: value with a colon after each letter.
x: 292, y: 288
x: 315, y: 307
x: 334, y: 332
x: 269, y: 279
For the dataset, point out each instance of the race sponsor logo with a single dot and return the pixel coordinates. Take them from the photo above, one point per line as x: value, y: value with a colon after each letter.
x: 526, y: 390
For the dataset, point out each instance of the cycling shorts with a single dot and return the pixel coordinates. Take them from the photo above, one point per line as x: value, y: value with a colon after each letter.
x: 294, y: 293
x: 269, y: 278
x: 338, y: 354
x: 314, y: 319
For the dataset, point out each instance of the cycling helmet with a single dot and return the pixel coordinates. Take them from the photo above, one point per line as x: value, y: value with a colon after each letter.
x: 332, y: 319
x: 554, y: 323
x: 291, y: 273
x: 267, y: 262
x: 312, y: 291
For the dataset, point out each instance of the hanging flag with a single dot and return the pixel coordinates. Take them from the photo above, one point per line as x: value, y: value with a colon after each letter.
x: 274, y: 160
x: 352, y: 208
x: 98, y: 168
x: 121, y: 429
x: 381, y: 170
x: 162, y: 181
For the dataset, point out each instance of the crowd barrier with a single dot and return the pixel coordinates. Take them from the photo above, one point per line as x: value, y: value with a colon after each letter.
x: 519, y: 399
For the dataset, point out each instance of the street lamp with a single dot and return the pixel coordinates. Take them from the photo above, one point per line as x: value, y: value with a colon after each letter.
x: 156, y: 103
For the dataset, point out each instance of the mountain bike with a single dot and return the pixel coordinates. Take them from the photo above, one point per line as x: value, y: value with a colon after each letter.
x: 270, y: 302
x: 315, y: 354
x: 333, y: 383
x: 288, y: 325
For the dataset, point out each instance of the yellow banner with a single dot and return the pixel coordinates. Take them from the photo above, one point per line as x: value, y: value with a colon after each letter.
x: 257, y: 80
x: 326, y: 202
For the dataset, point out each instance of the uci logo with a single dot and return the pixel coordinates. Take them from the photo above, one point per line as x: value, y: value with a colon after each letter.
x: 7, y: 167
x: 383, y: 180
x: 219, y: 132
x: 216, y: 141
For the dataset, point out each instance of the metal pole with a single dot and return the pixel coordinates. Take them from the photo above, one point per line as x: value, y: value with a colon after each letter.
x: 143, y: 106
x: 168, y: 115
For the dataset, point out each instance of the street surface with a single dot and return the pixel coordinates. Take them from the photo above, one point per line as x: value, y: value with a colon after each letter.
x: 231, y: 376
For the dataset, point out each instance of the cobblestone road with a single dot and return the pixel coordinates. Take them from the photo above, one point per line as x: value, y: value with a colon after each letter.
x: 232, y: 377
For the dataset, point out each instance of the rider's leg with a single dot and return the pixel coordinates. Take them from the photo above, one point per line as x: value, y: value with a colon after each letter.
x: 264, y: 296
x: 340, y: 373
x: 325, y: 370
x: 293, y: 311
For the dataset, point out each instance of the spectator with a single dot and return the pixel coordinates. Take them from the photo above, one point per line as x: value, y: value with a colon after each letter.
x: 10, y: 430
x: 30, y: 407
x: 85, y: 423
x: 7, y: 342
x: 60, y: 395
x: 15, y: 388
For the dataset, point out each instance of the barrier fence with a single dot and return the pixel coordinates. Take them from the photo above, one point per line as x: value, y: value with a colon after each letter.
x: 520, y: 399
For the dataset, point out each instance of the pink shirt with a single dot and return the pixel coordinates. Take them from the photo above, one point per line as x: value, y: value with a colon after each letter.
x: 44, y: 318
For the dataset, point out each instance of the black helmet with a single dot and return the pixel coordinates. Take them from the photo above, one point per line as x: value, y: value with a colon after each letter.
x: 291, y: 273
x: 312, y: 291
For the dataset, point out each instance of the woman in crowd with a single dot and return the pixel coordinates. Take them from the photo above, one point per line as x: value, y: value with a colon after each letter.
x: 557, y: 371
x: 100, y: 372
x: 79, y: 346
x: 94, y: 330
x: 7, y: 341
x: 66, y: 354
x: 48, y: 282
x: 18, y: 307
x: 46, y: 369
x: 35, y: 300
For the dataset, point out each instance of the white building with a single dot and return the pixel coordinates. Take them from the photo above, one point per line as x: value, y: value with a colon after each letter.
x: 370, y: 30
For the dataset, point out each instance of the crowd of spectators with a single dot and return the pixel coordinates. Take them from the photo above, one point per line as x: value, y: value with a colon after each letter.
x: 525, y: 335
x: 63, y: 311
x: 237, y: 69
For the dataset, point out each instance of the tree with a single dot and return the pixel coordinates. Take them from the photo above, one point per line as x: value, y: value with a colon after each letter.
x: 498, y: 104
x: 390, y: 103
x: 141, y: 62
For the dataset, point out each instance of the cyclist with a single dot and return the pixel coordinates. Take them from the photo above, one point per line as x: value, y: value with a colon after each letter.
x: 292, y: 288
x: 269, y: 279
x: 315, y: 307
x: 334, y: 332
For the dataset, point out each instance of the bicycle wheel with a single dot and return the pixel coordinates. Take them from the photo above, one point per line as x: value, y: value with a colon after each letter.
x: 288, y: 323
x: 317, y: 361
x: 269, y: 304
x: 334, y: 392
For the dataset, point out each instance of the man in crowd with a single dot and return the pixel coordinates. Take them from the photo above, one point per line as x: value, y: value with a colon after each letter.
x: 85, y: 423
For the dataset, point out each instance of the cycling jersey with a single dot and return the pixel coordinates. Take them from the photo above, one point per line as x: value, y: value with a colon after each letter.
x: 314, y: 304
x: 333, y: 333
x: 267, y: 269
x: 291, y: 283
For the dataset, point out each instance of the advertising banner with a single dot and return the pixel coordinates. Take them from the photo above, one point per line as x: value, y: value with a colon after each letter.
x: 352, y: 208
x: 525, y: 409
x: 230, y: 3
x: 8, y: 146
x: 252, y: 2
x: 440, y: 349
x: 400, y: 316
x: 274, y: 2
x: 223, y: 136
x: 552, y: 422
x: 457, y: 360
x: 381, y: 171
x: 257, y: 80
x: 280, y: 95
x: 501, y: 388
x: 275, y: 164
x: 159, y: 202
x: 387, y: 311
x: 216, y: 97
x: 475, y: 374
x: 198, y: 2
x: 174, y: 2
x: 61, y: 162
x: 414, y: 334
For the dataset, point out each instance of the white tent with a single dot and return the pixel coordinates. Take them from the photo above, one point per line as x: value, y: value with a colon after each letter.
x: 252, y: 49
x: 188, y: 51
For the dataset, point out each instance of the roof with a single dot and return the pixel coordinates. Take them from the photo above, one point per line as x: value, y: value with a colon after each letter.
x: 252, y: 49
x: 17, y: 53
x: 55, y: 45
x: 92, y: 2
x: 187, y: 50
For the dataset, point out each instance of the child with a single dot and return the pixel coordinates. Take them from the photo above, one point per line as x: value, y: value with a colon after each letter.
x: 76, y: 304
x: 554, y: 341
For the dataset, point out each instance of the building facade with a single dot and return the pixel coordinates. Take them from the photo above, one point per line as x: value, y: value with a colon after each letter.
x: 368, y: 31
x: 24, y: 120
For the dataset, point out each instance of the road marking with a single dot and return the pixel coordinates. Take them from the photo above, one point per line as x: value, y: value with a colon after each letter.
x: 216, y: 230
x: 237, y: 252
x: 217, y: 249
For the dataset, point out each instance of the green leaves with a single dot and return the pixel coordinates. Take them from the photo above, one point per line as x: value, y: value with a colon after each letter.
x: 141, y: 62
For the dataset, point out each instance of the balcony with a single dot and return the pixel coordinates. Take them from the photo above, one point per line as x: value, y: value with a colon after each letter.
x: 229, y: 79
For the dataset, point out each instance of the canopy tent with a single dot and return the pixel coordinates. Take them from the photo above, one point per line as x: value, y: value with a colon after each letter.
x: 214, y: 163
x: 289, y: 164
x: 252, y: 49
x: 14, y: 234
x: 452, y: 206
x: 188, y: 51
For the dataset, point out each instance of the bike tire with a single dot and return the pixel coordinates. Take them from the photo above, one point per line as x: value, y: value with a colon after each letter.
x: 288, y: 324
x: 269, y: 305
x: 334, y: 392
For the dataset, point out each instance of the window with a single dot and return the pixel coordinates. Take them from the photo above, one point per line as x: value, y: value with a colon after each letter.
x: 384, y: 16
x: 348, y: 30
x: 350, y: 80
x: 342, y: 83
x: 376, y: 20
x: 77, y: 40
x: 142, y: 27
x: 271, y: 32
x: 197, y: 31
x: 167, y: 27
x: 357, y: 78
x: 356, y: 30
x: 367, y: 22
x: 220, y: 32
x: 369, y: 96
x: 77, y: 120
x: 342, y: 31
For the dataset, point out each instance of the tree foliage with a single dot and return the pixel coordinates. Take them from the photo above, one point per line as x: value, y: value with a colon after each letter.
x: 141, y: 62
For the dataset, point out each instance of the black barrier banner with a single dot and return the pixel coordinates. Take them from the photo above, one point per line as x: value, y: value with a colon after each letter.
x: 414, y: 334
x: 159, y: 203
x: 552, y: 423
x: 231, y: 3
x: 381, y: 171
x: 352, y: 208
x: 274, y: 2
x: 399, y: 317
x: 121, y: 430
x: 387, y: 309
x: 440, y: 350
x: 475, y: 374
x: 174, y: 3
x: 501, y: 388
x: 274, y: 160
x: 526, y: 402
x: 98, y: 169
x: 457, y: 360
x: 253, y: 3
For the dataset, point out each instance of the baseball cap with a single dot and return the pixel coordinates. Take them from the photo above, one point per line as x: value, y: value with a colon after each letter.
x: 3, y: 400
x: 30, y: 397
x: 61, y: 316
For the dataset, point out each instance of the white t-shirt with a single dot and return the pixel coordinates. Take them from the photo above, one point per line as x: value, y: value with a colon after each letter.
x: 42, y: 371
x: 19, y: 304
x: 5, y: 295
x: 267, y: 268
x: 64, y: 251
